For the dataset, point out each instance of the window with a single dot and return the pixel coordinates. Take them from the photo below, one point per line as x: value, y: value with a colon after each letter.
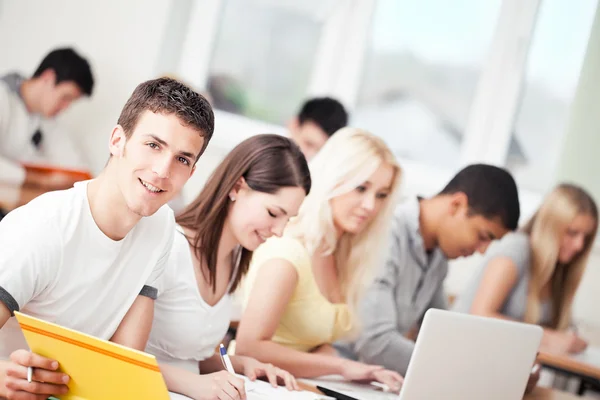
x: 555, y: 59
x: 421, y: 70
x: 263, y: 56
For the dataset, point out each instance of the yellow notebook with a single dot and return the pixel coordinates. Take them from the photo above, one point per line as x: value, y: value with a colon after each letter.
x: 99, y: 369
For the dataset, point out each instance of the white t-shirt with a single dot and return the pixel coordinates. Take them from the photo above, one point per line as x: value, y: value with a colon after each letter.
x: 57, y: 265
x: 186, y: 329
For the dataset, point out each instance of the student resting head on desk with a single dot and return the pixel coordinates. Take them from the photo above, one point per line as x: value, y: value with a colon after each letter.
x: 250, y: 197
x: 532, y: 275
x: 302, y: 288
x: 62, y: 78
x: 88, y: 258
x: 478, y: 205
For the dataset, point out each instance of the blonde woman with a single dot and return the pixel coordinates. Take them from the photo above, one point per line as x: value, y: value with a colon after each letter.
x: 532, y: 275
x: 303, y: 288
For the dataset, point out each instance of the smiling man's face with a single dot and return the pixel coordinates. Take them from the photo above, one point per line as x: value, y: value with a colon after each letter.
x: 156, y: 160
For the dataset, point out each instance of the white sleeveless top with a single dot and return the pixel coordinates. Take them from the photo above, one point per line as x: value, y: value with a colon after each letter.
x: 186, y: 329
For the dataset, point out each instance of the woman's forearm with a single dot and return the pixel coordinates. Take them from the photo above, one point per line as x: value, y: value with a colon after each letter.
x: 179, y: 380
x: 298, y: 363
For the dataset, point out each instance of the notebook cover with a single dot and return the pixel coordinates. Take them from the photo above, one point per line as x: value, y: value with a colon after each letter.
x: 99, y: 369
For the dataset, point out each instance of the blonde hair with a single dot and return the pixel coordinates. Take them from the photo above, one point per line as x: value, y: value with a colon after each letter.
x: 546, y: 230
x: 346, y: 161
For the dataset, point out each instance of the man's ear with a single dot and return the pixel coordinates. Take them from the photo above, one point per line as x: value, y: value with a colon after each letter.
x: 459, y: 204
x: 116, y: 143
x: 293, y: 125
x: 49, y: 76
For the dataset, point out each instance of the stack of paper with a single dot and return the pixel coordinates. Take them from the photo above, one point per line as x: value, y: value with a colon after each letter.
x: 258, y: 390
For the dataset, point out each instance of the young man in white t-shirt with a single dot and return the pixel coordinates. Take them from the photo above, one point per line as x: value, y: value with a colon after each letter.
x: 88, y: 257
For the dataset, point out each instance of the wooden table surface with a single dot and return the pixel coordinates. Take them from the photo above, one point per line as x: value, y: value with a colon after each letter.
x: 569, y: 364
x: 585, y: 365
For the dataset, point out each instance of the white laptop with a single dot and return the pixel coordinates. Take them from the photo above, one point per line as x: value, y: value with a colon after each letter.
x: 460, y: 356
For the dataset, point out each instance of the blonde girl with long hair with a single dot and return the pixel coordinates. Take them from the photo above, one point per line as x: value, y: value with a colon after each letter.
x: 303, y: 288
x: 533, y: 275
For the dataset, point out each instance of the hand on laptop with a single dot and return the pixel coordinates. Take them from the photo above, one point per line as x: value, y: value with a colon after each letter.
x: 392, y: 379
x: 356, y: 371
x: 45, y: 380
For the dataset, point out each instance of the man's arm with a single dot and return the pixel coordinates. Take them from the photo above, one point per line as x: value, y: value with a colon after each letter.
x: 11, y: 173
x: 13, y: 372
x: 439, y: 299
x: 30, y: 249
x: 14, y: 174
x: 381, y: 342
x: 134, y: 329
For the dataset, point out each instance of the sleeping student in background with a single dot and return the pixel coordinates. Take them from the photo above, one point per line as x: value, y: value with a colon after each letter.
x: 62, y: 78
x: 303, y: 287
x: 532, y: 275
x: 250, y: 197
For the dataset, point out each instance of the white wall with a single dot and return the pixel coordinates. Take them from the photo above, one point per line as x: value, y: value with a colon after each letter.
x: 579, y: 161
x: 121, y: 38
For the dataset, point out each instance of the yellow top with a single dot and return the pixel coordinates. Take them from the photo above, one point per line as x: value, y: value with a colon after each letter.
x: 309, y: 319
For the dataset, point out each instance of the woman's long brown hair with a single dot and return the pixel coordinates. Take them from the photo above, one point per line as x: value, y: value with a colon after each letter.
x: 267, y: 163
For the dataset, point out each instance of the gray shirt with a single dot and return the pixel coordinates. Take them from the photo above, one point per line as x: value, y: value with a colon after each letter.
x: 516, y: 247
x: 408, y: 284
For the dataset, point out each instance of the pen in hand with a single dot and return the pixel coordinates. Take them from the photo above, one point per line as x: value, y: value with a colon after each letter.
x: 225, y: 359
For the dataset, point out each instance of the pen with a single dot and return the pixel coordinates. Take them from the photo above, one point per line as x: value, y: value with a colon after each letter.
x: 225, y: 359
x: 29, y: 374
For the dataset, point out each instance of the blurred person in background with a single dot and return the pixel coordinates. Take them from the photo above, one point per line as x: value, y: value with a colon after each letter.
x: 318, y: 119
x: 532, y: 275
x: 26, y: 105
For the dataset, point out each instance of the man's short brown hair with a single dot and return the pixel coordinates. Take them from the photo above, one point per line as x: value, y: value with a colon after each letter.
x: 169, y: 96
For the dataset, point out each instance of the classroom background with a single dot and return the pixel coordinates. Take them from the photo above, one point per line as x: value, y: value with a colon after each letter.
x: 514, y: 83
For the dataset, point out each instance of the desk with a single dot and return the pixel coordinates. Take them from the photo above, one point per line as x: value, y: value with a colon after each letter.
x: 585, y: 366
x: 538, y: 393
